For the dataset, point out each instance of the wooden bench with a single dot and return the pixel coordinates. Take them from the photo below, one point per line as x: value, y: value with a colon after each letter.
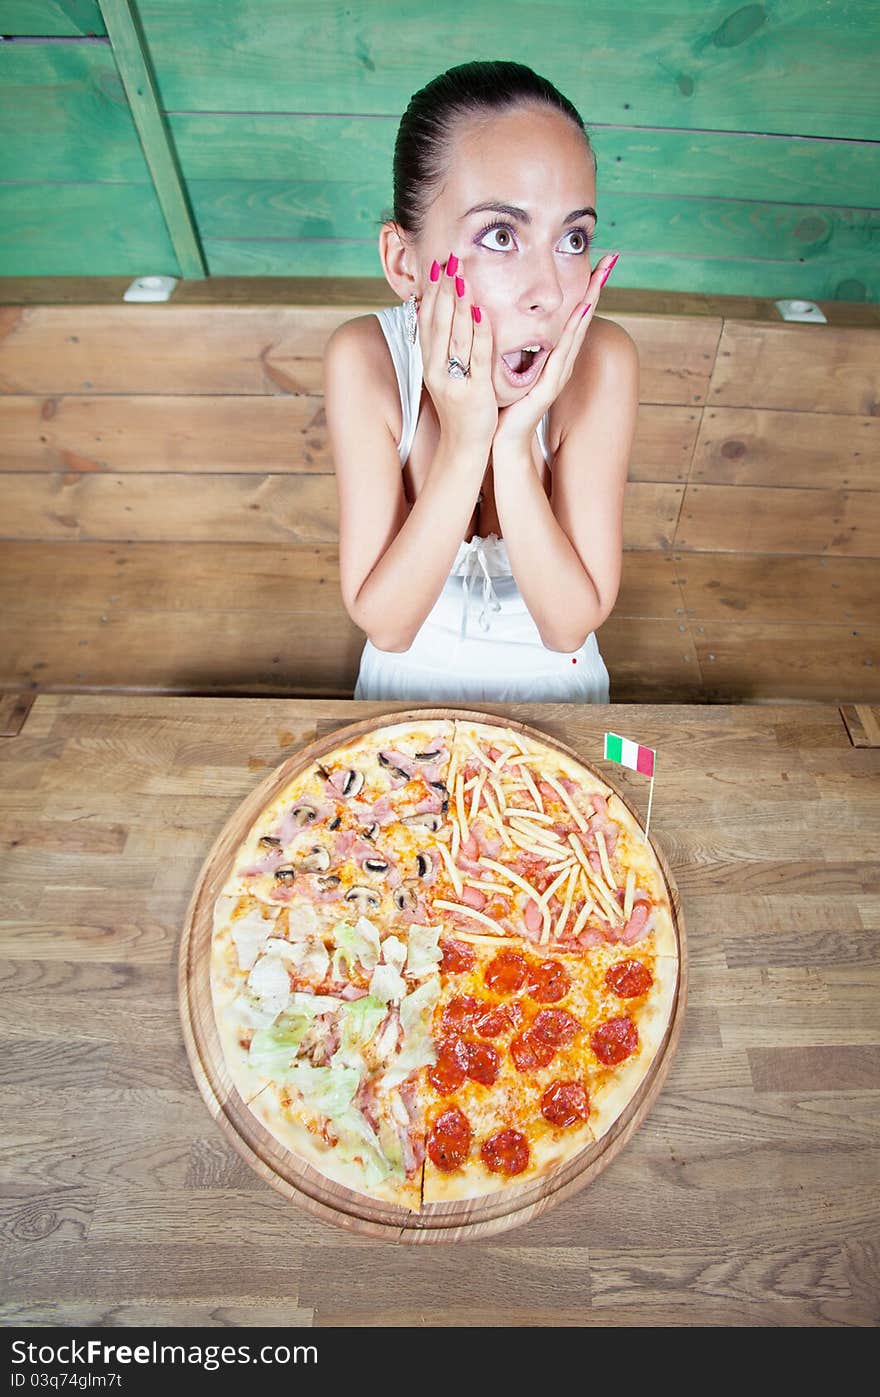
x: 169, y: 508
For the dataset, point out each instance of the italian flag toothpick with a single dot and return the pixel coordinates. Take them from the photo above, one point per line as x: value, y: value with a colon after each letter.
x: 637, y: 758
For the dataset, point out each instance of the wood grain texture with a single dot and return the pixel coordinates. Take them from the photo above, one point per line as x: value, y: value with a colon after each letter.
x: 746, y: 1197
x: 445, y: 1223
x: 862, y: 723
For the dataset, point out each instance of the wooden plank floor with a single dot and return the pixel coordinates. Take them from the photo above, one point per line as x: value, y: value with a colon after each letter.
x: 748, y: 1197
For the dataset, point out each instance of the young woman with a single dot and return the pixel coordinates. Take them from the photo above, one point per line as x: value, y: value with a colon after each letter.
x: 481, y: 430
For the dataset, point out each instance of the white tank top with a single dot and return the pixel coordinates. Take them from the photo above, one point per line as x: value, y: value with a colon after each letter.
x: 408, y: 367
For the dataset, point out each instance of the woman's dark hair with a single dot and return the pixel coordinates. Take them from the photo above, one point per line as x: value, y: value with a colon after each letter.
x: 427, y: 126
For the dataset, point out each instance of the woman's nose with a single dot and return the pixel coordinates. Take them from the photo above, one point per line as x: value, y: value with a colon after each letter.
x: 542, y: 289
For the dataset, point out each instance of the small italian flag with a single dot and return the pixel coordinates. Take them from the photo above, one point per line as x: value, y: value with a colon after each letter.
x: 626, y: 753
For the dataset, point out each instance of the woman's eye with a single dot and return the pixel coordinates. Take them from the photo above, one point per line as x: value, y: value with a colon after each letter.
x: 583, y: 241
x: 504, y: 234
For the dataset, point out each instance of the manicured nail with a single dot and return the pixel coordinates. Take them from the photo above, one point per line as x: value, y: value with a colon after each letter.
x: 585, y: 309
x: 435, y: 271
x: 609, y: 269
x: 477, y: 314
x: 452, y: 265
x: 459, y: 286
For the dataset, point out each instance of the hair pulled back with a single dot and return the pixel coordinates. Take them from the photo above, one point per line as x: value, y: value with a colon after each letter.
x: 429, y: 124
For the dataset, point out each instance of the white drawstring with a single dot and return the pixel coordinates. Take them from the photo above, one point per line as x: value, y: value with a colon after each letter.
x: 474, y: 565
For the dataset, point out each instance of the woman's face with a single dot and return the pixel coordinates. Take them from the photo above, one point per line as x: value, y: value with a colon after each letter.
x: 527, y: 265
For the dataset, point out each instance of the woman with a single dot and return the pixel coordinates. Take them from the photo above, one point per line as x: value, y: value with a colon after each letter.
x: 481, y: 487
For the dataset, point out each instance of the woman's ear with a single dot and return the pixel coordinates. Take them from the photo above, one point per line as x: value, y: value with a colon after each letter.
x: 399, y: 261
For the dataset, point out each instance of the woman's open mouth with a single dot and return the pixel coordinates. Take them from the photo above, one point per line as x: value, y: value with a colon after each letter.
x: 522, y: 366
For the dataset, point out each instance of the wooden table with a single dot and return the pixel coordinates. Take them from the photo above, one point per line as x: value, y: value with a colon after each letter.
x: 748, y: 1197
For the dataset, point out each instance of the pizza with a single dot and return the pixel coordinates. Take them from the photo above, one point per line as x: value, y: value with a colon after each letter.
x: 443, y: 962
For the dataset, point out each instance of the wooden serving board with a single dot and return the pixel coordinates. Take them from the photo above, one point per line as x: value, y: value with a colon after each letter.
x: 286, y: 1172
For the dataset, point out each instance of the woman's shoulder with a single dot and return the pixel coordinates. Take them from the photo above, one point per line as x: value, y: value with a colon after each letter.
x: 608, y: 361
x: 357, y: 353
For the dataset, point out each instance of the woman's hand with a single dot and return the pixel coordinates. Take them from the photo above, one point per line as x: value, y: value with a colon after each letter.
x: 517, y: 422
x: 449, y: 327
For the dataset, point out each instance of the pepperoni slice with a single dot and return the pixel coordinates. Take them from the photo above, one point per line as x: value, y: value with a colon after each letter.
x: 629, y: 979
x: 449, y: 1140
x: 530, y: 1052
x: 506, y: 972
x: 457, y: 957
x: 615, y: 1040
x: 483, y: 1062
x: 506, y: 1152
x: 450, y: 1069
x: 556, y: 1026
x: 461, y: 1013
x: 498, y: 1021
x: 548, y: 981
x: 564, y: 1103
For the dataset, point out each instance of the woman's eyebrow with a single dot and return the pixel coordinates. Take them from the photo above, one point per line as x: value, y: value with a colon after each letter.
x: 520, y: 215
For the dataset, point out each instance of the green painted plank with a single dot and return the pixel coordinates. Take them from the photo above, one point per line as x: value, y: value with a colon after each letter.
x: 716, y: 163
x: 834, y: 280
x: 51, y: 17
x: 797, y: 67
x: 83, y: 230
x: 71, y: 102
x: 695, y: 227
x: 134, y: 65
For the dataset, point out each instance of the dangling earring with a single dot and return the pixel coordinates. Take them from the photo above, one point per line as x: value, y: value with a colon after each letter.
x: 411, y: 317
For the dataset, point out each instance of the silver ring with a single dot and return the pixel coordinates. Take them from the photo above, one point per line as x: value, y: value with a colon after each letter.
x: 456, y: 369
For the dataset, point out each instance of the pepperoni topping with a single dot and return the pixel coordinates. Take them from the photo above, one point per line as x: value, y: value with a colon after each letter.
x: 483, y: 1063
x: 615, y: 1040
x: 629, y: 979
x: 461, y: 1013
x: 449, y: 1140
x: 450, y: 1069
x: 506, y: 1152
x: 556, y: 1027
x: 564, y: 1103
x: 457, y: 957
x: 498, y: 1021
x: 530, y: 1052
x: 548, y: 981
x: 506, y: 972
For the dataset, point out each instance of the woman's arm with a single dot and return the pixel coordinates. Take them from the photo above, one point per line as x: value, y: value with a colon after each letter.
x: 566, y: 552
x: 393, y: 559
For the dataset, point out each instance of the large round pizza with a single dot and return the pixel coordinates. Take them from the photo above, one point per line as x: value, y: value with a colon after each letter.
x: 444, y: 961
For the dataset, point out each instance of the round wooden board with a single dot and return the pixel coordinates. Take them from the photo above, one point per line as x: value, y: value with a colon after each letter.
x: 286, y: 1172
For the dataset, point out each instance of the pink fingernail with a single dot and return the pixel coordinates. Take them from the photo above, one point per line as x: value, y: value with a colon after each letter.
x: 477, y: 314
x: 459, y: 286
x: 585, y: 309
x: 452, y: 265
x: 435, y: 271
x: 608, y: 270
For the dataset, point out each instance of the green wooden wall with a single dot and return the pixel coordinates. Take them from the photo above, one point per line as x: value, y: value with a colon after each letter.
x: 738, y: 145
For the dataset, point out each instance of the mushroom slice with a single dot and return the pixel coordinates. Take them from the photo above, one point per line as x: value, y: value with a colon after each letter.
x: 376, y: 865
x: 405, y: 899
x: 425, y: 864
x: 285, y: 875
x: 364, y: 898
x: 370, y: 832
x: 439, y: 786
x: 424, y: 821
x: 334, y: 823
x: 427, y: 756
x: 353, y: 783
x: 304, y: 814
x: 332, y: 880
x: 317, y: 860
x: 268, y: 841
